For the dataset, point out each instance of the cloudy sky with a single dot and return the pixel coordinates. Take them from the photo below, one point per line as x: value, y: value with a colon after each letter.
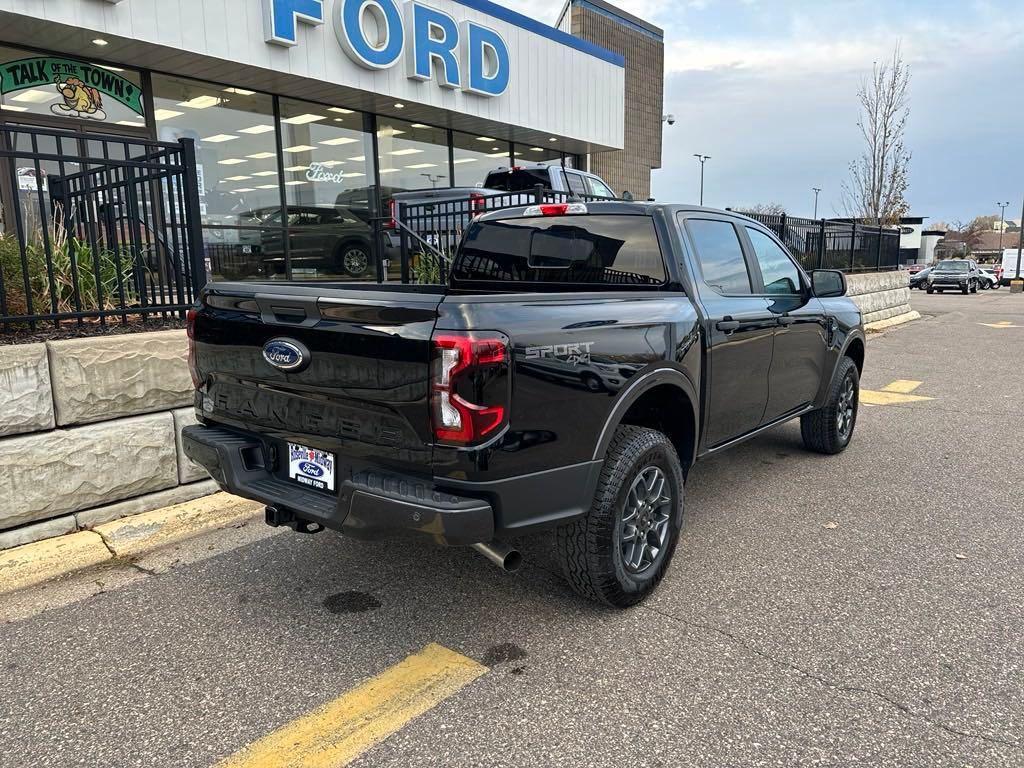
x: 768, y: 89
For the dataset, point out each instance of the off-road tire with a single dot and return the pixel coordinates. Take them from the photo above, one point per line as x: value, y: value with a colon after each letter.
x: 820, y: 429
x: 590, y: 549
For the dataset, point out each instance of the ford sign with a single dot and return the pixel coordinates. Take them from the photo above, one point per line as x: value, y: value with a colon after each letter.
x: 311, y: 469
x: 286, y: 355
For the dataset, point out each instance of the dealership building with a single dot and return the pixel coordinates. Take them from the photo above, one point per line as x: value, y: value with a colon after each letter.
x: 300, y: 109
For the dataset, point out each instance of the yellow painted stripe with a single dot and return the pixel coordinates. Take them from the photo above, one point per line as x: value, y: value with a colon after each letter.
x: 40, y: 561
x: 142, y: 533
x: 903, y: 386
x: 871, y: 397
x: 343, y: 729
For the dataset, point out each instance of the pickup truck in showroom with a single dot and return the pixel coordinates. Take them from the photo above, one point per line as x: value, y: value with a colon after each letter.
x: 580, y: 360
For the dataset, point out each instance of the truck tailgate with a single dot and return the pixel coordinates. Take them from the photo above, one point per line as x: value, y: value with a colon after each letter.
x: 362, y: 389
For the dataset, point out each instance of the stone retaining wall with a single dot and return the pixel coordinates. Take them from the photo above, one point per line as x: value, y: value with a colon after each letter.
x: 90, y: 430
x: 883, y: 297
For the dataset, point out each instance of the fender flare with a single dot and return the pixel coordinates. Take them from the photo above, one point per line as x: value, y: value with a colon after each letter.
x: 855, y: 334
x: 636, y: 389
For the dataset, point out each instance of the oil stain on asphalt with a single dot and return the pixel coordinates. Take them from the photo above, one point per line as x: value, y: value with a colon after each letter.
x: 502, y: 654
x: 351, y: 602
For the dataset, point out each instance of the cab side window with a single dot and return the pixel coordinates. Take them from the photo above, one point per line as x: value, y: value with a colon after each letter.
x: 576, y: 183
x: 598, y: 188
x: 720, y: 255
x: 781, y: 276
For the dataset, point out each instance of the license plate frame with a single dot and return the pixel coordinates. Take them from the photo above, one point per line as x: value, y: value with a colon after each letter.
x: 312, y: 468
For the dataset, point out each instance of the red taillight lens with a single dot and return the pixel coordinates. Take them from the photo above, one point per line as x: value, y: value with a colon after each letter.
x: 190, y: 330
x: 477, y: 204
x: 392, y: 212
x: 469, y: 390
x: 555, y: 209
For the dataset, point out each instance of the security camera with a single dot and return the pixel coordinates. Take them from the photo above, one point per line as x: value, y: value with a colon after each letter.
x: 670, y: 119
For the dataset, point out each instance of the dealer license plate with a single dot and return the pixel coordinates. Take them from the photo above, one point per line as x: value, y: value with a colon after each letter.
x: 311, y: 468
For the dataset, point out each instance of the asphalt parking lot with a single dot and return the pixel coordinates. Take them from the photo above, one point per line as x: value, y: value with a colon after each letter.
x: 864, y: 609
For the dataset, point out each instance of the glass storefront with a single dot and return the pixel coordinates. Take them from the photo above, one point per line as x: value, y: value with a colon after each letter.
x: 476, y: 156
x: 412, y: 155
x: 236, y: 149
x: 287, y: 189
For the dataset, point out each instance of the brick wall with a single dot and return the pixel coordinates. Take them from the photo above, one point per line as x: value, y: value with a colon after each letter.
x: 643, y: 47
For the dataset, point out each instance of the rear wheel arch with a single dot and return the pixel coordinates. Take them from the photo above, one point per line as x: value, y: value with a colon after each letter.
x: 664, y: 400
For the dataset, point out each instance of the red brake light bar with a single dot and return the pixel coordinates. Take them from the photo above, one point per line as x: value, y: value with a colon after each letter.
x: 556, y: 209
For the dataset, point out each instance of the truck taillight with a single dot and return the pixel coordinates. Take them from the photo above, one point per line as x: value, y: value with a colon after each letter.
x: 392, y: 211
x: 477, y: 204
x: 190, y: 330
x: 469, y: 387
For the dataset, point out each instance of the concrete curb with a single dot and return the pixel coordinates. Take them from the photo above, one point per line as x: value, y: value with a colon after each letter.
x: 32, y: 564
x: 881, y: 325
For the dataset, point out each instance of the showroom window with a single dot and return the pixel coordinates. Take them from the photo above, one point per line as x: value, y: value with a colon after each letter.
x: 411, y: 156
x: 530, y: 153
x: 476, y: 156
x: 328, y: 177
x: 236, y: 162
x: 236, y: 151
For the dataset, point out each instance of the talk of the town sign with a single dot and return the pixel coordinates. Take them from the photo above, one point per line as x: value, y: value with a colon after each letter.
x: 377, y: 34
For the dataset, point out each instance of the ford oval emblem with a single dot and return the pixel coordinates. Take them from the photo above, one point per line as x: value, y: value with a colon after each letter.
x: 310, y: 469
x: 286, y: 355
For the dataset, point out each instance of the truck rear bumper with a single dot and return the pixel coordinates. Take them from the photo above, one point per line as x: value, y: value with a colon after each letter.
x: 370, y: 504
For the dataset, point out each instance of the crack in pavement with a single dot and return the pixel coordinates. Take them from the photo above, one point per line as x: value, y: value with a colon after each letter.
x: 121, y: 559
x: 841, y: 687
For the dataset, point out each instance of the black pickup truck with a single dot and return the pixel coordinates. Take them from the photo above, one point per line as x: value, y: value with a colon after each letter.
x: 580, y: 360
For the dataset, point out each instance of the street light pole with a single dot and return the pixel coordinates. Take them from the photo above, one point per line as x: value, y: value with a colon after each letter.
x: 703, y: 159
x: 816, y: 191
x: 1020, y: 240
x: 1002, y: 225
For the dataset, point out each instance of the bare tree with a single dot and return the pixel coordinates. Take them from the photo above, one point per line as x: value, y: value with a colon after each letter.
x: 876, y: 190
x: 767, y: 209
x: 970, y: 234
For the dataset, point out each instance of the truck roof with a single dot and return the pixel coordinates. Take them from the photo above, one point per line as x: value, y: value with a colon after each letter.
x: 621, y: 208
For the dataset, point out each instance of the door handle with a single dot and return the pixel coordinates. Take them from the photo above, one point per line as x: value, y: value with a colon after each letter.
x: 728, y: 325
x: 785, y: 320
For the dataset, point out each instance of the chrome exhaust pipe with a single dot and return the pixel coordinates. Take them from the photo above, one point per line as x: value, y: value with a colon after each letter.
x: 506, y: 558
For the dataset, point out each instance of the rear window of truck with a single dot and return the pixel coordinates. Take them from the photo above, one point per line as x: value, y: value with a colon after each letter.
x: 593, y: 249
x: 518, y: 180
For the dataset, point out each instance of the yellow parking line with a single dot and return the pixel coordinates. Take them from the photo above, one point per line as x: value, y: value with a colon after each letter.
x: 903, y: 386
x: 338, y: 732
x: 1001, y: 324
x: 896, y: 393
x: 872, y: 397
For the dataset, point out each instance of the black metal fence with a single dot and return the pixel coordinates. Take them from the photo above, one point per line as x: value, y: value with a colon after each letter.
x: 424, y: 236
x: 96, y: 228
x: 829, y: 244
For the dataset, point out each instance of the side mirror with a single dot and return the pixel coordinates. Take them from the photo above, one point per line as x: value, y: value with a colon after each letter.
x: 828, y: 283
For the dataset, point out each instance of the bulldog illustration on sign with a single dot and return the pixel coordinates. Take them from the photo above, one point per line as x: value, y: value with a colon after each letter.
x: 80, y: 100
